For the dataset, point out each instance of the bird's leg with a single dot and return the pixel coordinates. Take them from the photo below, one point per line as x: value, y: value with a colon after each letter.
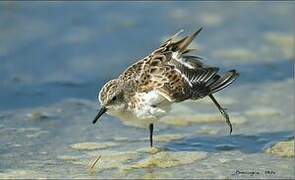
x: 222, y: 111
x: 151, y: 134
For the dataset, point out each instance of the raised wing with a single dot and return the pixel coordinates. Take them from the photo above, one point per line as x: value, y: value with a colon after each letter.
x: 176, y: 75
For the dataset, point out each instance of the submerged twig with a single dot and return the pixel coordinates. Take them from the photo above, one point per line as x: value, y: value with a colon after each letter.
x: 95, y: 161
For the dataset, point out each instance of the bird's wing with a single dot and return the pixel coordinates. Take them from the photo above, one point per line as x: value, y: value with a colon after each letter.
x: 175, y: 75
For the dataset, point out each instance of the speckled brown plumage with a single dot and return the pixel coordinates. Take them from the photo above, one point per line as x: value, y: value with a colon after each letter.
x: 145, y: 90
x: 177, y: 78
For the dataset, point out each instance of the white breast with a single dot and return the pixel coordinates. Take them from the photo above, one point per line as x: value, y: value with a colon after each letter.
x: 151, y: 106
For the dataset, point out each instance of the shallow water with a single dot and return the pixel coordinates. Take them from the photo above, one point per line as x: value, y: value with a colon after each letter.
x: 55, y: 57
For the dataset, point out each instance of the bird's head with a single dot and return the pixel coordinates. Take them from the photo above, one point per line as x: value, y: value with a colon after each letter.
x: 111, y: 98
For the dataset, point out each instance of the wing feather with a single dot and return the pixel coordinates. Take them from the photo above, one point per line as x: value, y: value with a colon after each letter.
x: 175, y: 76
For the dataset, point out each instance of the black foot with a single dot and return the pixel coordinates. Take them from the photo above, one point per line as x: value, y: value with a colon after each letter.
x: 151, y: 134
x: 223, y: 112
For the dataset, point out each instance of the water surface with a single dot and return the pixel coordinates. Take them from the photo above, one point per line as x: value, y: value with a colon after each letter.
x: 56, y: 55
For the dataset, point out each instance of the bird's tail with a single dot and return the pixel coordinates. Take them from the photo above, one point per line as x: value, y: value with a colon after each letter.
x: 180, y: 46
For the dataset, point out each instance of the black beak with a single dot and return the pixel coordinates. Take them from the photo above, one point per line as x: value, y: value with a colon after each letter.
x: 101, y: 112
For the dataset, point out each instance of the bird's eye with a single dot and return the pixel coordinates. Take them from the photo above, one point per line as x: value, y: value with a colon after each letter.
x: 114, y: 98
